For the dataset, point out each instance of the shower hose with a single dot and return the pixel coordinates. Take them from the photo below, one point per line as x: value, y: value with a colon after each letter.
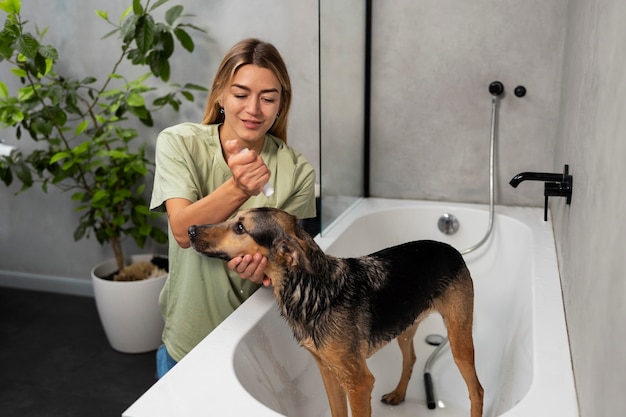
x: 496, y: 90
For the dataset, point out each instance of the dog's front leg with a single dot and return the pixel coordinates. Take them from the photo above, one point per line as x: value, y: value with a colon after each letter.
x: 334, y: 391
x: 359, y: 385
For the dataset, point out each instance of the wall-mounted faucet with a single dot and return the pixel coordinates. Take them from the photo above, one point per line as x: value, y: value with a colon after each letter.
x: 556, y: 185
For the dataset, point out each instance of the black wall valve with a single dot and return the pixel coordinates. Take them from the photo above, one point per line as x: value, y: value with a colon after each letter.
x: 496, y: 88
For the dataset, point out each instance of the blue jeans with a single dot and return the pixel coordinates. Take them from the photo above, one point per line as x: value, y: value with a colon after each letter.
x: 164, y: 362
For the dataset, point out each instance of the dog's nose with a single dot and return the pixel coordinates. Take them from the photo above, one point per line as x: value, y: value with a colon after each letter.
x: 192, y: 231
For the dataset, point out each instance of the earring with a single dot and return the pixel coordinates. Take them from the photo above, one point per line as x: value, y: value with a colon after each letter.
x: 222, y: 110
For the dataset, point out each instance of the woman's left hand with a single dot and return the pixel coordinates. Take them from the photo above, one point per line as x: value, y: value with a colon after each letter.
x: 251, y: 267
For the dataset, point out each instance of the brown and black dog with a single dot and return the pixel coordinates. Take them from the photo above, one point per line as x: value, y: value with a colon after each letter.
x: 342, y: 310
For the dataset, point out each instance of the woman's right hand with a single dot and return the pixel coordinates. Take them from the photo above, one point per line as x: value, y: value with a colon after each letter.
x: 250, y: 173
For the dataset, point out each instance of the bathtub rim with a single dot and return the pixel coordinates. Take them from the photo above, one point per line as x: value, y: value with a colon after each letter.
x: 552, y: 391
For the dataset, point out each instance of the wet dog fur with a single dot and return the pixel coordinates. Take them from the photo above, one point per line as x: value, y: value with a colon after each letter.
x: 342, y: 310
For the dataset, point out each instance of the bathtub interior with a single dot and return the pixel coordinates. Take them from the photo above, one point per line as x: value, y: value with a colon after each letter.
x: 284, y: 377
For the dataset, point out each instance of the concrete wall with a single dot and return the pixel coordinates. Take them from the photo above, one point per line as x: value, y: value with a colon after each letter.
x: 591, y: 234
x: 433, y: 61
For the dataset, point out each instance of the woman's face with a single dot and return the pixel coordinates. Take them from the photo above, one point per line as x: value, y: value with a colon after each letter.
x: 251, y: 104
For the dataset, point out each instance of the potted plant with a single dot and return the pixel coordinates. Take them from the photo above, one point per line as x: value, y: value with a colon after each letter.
x: 87, y: 143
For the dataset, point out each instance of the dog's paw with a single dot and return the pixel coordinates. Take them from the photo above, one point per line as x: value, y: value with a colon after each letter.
x: 394, y: 397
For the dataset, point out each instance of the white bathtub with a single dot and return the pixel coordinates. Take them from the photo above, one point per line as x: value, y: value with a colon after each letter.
x: 251, y: 366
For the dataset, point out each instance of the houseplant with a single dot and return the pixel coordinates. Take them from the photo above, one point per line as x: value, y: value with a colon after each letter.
x: 87, y: 143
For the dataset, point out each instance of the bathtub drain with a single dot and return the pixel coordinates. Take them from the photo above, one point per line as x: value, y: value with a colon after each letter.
x: 448, y: 224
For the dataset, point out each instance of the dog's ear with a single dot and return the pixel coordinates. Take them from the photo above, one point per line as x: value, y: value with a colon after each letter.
x: 292, y: 254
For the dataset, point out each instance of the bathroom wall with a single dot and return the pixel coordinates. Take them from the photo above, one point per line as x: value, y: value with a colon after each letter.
x: 591, y: 233
x: 36, y: 243
x: 433, y: 61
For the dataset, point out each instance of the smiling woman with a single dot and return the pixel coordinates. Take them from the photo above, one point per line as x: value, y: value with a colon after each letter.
x: 250, y: 106
x: 203, y: 176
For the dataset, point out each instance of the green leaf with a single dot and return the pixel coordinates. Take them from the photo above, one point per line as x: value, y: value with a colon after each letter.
x: 128, y: 28
x: 81, y: 127
x: 59, y: 156
x: 173, y: 13
x: 19, y: 72
x: 68, y: 165
x: 80, y: 231
x: 49, y: 64
x: 11, y: 6
x: 137, y: 7
x: 110, y: 93
x: 194, y: 27
x: 141, y: 209
x: 27, y: 45
x: 157, y: 4
x: 48, y: 51
x: 184, y: 39
x: 25, y: 93
x: 58, y: 116
x: 118, y: 154
x: 17, y: 116
x: 136, y: 100
x: 6, y: 176
x: 111, y: 33
x: 188, y: 95
x: 158, y: 235
x: 144, y: 33
x: 165, y: 45
x: 41, y: 65
x: 82, y: 148
x: 23, y: 174
x: 41, y: 33
x: 4, y: 91
x: 142, y: 78
x: 191, y: 86
x: 126, y: 13
x: 139, y: 167
x: 160, y: 67
x: 42, y: 126
x: 99, y: 195
x: 144, y: 229
x: 103, y: 14
x: 119, y: 221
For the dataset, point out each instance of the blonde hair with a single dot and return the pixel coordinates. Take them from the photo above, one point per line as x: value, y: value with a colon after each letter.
x: 264, y: 55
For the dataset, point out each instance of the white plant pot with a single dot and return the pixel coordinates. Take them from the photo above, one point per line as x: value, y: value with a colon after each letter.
x: 129, y: 310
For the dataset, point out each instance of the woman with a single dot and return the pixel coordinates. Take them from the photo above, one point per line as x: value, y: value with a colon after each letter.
x: 202, y: 176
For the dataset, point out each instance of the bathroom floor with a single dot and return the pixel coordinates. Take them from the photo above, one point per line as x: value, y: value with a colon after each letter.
x: 55, y: 359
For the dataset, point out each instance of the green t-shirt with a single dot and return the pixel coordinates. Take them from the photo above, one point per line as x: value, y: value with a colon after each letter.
x: 201, y: 292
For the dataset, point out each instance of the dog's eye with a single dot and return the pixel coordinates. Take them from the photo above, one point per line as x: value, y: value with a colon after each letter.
x: 239, y: 229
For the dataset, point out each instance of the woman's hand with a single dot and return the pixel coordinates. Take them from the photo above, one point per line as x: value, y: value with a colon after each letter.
x: 251, y: 267
x: 250, y: 173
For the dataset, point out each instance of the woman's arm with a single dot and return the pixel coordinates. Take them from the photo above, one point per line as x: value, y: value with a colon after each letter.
x: 249, y: 175
x: 214, y: 208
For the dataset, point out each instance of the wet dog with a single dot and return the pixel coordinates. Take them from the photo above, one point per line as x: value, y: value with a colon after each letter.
x: 342, y: 310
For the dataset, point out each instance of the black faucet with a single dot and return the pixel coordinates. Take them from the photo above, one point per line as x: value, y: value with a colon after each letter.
x: 556, y: 185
